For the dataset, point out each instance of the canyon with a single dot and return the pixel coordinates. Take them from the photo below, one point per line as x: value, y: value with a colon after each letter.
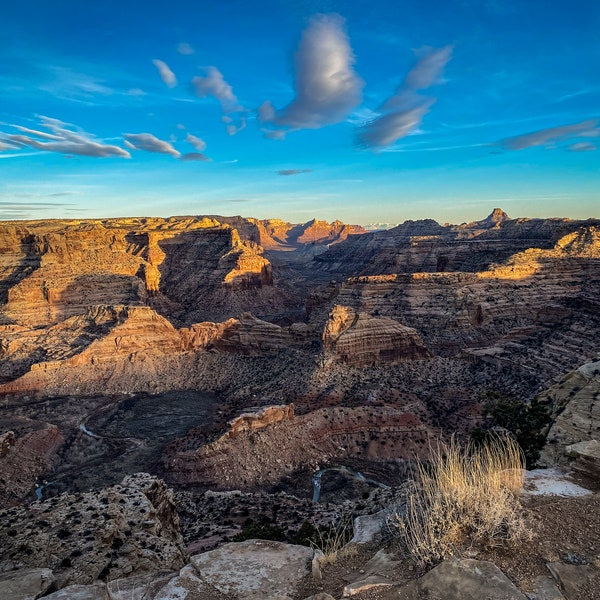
x: 238, y: 356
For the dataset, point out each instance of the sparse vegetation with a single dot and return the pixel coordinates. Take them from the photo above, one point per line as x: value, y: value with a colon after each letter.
x: 332, y: 540
x: 525, y: 421
x: 463, y: 496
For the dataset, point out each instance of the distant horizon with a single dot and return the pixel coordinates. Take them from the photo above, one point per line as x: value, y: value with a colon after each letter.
x: 365, y: 224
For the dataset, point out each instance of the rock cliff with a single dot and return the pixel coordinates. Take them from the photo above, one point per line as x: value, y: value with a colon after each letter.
x: 25, y: 457
x: 576, y: 411
x: 361, y: 340
x: 248, y: 456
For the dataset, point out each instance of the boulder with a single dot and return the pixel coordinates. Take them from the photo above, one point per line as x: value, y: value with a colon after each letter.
x: 368, y: 527
x: 587, y: 458
x: 459, y: 579
x: 25, y: 584
x: 255, y: 569
x: 571, y: 578
x: 186, y: 585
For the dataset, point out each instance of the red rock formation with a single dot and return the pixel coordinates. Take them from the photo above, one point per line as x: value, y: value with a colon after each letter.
x: 259, y: 456
x: 23, y: 459
x: 361, y: 340
x: 258, y: 419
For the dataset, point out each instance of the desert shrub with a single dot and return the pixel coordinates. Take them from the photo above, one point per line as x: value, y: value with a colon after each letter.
x: 463, y: 496
x: 260, y: 531
x: 526, y: 421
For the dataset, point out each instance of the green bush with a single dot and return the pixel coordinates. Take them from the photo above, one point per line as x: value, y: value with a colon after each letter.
x: 525, y: 421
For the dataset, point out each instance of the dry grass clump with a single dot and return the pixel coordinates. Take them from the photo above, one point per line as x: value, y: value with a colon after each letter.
x: 331, y: 542
x: 464, y: 496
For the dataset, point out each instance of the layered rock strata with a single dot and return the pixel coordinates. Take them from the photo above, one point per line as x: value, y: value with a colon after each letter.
x: 575, y: 406
x: 254, y: 456
x: 362, y: 340
x: 25, y: 457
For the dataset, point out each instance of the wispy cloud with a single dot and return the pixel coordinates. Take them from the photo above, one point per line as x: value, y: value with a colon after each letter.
x: 150, y: 143
x: 63, y: 140
x: 194, y: 156
x: 165, y: 73
x: 230, y: 125
x: 288, y: 172
x: 550, y: 136
x: 185, y: 49
x: 326, y: 85
x: 402, y: 113
x: 68, y: 83
x: 198, y: 143
x: 582, y: 147
x: 214, y: 84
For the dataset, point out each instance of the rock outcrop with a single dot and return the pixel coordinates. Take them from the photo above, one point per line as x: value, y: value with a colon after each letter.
x: 253, y: 456
x: 574, y: 405
x: 361, y: 340
x: 122, y: 530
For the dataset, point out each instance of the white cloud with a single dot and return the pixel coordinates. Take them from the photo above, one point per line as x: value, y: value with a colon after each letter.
x: 197, y: 142
x: 402, y: 113
x: 185, y: 49
x: 327, y: 88
x: 165, y: 73
x: 232, y: 128
x: 194, y: 156
x: 214, y: 84
x: 274, y: 134
x: 390, y: 127
x: 548, y: 137
x: 63, y: 140
x: 582, y: 147
x: 288, y: 172
x: 150, y: 143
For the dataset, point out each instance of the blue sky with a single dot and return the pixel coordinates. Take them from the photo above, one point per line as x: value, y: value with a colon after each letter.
x: 366, y: 111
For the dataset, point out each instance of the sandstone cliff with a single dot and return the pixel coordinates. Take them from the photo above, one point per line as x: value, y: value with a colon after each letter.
x: 576, y: 411
x: 361, y: 340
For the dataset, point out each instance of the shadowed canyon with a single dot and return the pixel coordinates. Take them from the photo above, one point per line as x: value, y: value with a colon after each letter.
x: 228, y: 354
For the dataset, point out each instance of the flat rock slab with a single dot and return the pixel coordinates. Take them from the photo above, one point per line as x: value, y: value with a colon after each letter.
x: 545, y: 589
x: 383, y: 563
x: 551, y: 482
x: 187, y: 586
x: 459, y: 579
x: 587, y: 455
x: 255, y: 569
x: 137, y: 587
x: 96, y: 591
x: 25, y: 584
x: 571, y: 577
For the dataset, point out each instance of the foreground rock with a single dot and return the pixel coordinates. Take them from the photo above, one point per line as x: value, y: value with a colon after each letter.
x: 574, y: 404
x: 25, y: 584
x: 255, y: 569
x: 587, y: 458
x: 121, y: 530
x: 460, y: 579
